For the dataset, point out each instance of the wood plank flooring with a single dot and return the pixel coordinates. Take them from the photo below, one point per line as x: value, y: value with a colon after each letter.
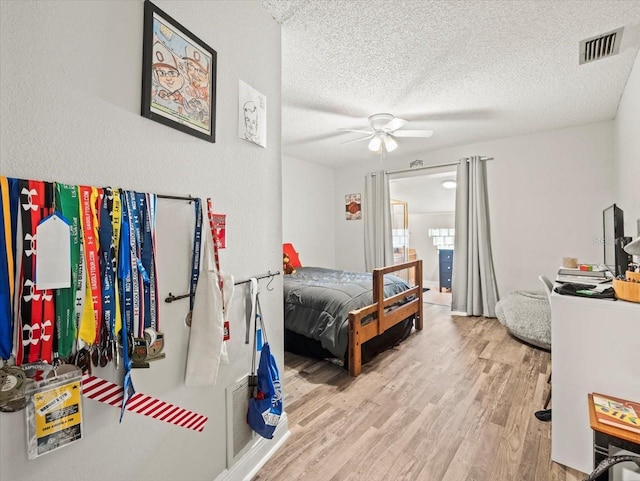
x: 454, y: 402
x: 434, y: 296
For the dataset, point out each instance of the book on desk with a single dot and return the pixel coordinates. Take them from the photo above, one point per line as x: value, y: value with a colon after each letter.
x: 617, y: 412
x: 577, y: 276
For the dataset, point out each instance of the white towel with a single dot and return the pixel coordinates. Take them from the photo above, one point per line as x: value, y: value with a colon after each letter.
x: 206, y: 345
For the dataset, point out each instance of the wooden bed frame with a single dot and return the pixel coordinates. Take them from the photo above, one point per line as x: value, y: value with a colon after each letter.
x: 384, y: 316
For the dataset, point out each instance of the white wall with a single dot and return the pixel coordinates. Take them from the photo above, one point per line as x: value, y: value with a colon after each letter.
x: 546, y: 195
x: 308, y: 202
x: 70, y: 86
x: 627, y: 151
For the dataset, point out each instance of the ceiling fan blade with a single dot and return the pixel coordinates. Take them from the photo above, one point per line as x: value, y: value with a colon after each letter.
x: 358, y: 140
x: 394, y: 124
x: 354, y: 130
x: 412, y: 133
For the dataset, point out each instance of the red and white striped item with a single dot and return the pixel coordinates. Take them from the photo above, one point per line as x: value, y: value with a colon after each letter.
x: 110, y: 393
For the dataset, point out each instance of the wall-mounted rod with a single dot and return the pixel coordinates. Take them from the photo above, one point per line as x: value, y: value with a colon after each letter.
x: 170, y: 298
x: 426, y: 167
x: 177, y: 197
x: 262, y: 276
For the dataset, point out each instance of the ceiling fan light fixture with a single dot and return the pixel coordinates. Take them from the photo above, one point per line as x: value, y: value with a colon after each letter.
x: 449, y: 184
x: 375, y: 143
x: 390, y: 144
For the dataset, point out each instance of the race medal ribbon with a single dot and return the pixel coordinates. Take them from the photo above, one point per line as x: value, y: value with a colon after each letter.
x: 136, y: 268
x: 66, y: 201
x: 91, y: 321
x: 227, y: 327
x: 116, y: 223
x: 37, y: 310
x: 195, y: 256
x: 146, y: 204
x: 152, y: 204
x: 107, y: 262
x: 127, y: 271
x: 7, y: 271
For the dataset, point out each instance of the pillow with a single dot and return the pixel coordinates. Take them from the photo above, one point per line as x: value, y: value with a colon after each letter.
x: 294, y: 260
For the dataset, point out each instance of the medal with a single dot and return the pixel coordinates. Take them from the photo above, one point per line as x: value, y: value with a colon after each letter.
x: 12, y: 389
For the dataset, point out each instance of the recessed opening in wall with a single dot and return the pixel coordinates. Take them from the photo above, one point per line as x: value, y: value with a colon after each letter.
x: 423, y: 223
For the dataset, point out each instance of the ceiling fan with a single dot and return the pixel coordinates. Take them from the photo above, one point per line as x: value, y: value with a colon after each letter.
x: 383, y: 129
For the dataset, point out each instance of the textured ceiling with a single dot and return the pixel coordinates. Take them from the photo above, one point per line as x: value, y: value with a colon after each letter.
x: 468, y: 70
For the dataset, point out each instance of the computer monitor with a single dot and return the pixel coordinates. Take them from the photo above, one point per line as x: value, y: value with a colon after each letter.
x: 615, y: 258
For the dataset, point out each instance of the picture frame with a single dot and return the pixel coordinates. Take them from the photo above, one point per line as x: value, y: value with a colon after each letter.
x: 353, y: 206
x: 178, y: 76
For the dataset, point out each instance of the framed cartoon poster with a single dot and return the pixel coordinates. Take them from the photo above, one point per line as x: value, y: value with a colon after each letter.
x: 178, y: 76
x: 353, y: 206
x: 252, y: 114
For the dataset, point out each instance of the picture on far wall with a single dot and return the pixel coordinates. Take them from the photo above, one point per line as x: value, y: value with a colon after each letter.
x: 252, y: 114
x: 353, y: 206
x: 178, y: 76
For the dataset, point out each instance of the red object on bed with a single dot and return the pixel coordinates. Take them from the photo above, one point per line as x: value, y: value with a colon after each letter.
x: 294, y: 260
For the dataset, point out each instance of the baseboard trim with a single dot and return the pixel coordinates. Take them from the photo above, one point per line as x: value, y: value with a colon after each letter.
x: 257, y: 455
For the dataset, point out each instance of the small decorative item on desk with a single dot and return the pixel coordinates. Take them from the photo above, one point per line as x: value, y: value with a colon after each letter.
x: 628, y: 289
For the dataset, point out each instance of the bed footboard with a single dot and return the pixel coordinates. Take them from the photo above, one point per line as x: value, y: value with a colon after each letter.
x: 384, y: 316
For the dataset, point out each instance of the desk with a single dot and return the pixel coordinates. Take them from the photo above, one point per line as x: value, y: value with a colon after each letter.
x: 605, y: 436
x: 595, y: 347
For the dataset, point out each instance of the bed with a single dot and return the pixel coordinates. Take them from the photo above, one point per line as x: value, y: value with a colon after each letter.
x: 350, y: 316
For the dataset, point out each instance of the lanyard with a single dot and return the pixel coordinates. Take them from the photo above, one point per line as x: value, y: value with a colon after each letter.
x: 91, y: 321
x: 7, y: 285
x: 66, y: 201
x: 195, y: 257
x: 215, y: 246
x: 152, y: 204
x: 146, y: 213
x: 259, y: 334
x: 107, y: 261
x: 129, y: 287
x: 128, y: 273
x: 36, y: 310
x: 116, y: 222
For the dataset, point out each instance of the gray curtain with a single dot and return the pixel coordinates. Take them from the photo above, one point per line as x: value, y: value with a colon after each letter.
x: 376, y: 211
x: 474, y: 289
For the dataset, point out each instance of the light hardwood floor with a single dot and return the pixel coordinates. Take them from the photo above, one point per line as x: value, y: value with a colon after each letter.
x: 434, y: 296
x: 454, y: 402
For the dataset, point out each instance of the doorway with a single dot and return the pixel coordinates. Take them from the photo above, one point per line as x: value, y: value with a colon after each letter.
x: 428, y: 199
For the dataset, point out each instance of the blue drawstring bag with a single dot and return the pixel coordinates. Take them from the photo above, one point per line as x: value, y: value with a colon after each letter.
x: 265, y: 405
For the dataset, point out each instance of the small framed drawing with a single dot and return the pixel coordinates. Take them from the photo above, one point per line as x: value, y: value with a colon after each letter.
x: 178, y: 76
x: 353, y: 206
x: 252, y: 114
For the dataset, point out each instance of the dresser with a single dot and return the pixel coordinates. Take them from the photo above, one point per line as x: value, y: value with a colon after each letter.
x: 446, y: 268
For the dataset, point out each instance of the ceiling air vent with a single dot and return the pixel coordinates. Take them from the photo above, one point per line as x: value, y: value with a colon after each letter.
x: 605, y: 45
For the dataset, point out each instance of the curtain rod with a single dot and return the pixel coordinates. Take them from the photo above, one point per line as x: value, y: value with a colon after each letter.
x: 170, y: 298
x: 449, y: 164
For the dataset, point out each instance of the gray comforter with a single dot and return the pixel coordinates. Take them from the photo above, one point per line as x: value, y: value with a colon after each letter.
x: 317, y: 302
